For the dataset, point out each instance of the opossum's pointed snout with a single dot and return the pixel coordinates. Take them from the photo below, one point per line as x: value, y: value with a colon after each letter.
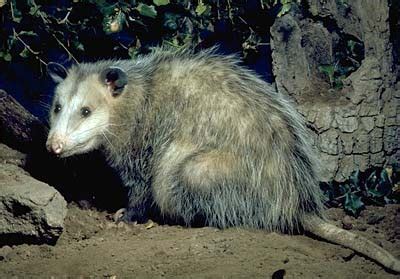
x: 55, y: 145
x: 57, y: 148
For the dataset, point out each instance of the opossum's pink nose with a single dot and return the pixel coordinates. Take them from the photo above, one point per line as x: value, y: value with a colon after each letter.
x: 55, y: 145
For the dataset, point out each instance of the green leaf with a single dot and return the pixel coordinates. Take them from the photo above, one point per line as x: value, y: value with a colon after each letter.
x: 171, y: 21
x: 7, y: 57
x: 329, y: 70
x: 17, y: 19
x: 78, y: 46
x: 147, y: 10
x: 16, y: 14
x: 201, y: 8
x: 372, y: 180
x: 24, y: 53
x: 385, y: 184
x: 105, y: 8
x: 161, y: 2
x: 28, y: 33
x: 354, y: 178
x: 351, y: 45
x: 385, y: 176
x: 133, y: 52
x: 114, y: 23
x: 344, y: 188
x: 353, y: 204
x: 285, y: 8
x: 34, y: 9
x: 374, y: 193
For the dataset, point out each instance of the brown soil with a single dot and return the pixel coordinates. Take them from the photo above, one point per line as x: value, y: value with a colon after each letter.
x: 92, y: 246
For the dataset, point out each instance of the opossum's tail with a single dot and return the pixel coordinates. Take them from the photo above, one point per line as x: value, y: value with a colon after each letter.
x: 327, y: 231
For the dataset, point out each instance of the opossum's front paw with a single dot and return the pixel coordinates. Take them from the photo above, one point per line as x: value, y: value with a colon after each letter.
x: 129, y: 215
x: 118, y: 216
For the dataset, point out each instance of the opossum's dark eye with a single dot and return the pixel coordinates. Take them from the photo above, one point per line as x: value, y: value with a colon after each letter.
x: 85, y: 111
x: 57, y: 108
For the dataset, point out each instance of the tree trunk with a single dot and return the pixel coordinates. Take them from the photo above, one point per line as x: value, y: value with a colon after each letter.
x: 356, y: 125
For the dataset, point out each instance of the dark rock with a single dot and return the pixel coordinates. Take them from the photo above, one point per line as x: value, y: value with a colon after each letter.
x: 375, y: 218
x: 19, y: 128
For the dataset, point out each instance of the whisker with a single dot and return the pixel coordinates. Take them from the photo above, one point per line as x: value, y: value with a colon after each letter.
x: 108, y: 131
x: 88, y: 130
x: 112, y: 146
x: 44, y: 105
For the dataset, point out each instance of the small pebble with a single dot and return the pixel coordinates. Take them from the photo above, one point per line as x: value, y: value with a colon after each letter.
x: 347, y: 223
x: 375, y: 219
x: 4, y: 251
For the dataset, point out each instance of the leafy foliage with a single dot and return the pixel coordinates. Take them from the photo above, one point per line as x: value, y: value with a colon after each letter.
x: 349, y: 53
x: 38, y: 30
x: 377, y: 186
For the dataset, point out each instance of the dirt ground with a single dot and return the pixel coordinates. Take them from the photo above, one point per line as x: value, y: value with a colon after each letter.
x: 92, y: 246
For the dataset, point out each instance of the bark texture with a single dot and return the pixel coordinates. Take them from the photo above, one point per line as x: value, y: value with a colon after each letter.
x: 356, y: 126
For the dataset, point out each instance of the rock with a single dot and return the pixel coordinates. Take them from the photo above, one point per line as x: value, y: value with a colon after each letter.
x: 361, y: 161
x: 4, y: 251
x: 328, y: 142
x: 371, y: 108
x: 19, y: 128
x: 361, y: 143
x: 346, y: 124
x: 324, y: 118
x: 380, y: 121
x: 287, y: 29
x: 377, y: 159
x: 375, y: 218
x: 391, y: 136
x: 11, y: 156
x: 347, y: 143
x: 30, y: 211
x: 345, y: 168
x: 329, y: 165
x: 347, y: 223
x: 368, y: 123
x: 376, y: 140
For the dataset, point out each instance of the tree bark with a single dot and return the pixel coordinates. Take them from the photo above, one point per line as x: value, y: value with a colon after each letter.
x: 357, y: 126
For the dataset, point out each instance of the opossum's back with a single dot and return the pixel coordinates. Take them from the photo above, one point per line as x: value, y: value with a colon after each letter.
x: 212, y: 95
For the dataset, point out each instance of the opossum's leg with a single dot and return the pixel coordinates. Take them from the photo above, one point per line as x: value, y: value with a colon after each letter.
x: 139, y: 198
x: 139, y: 203
x: 185, y: 188
x: 137, y: 209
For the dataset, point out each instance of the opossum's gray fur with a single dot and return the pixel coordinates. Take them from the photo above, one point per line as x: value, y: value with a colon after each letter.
x: 199, y: 135
x: 272, y: 181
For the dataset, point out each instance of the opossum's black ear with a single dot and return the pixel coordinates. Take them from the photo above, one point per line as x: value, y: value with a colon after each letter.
x: 115, y: 79
x: 57, y: 72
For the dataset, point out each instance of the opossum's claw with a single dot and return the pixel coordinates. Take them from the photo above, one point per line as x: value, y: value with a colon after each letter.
x: 129, y: 215
x: 118, y: 216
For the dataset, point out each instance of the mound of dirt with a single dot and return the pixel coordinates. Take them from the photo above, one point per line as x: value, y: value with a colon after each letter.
x: 92, y: 246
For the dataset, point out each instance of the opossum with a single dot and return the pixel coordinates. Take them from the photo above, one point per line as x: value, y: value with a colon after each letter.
x: 198, y: 136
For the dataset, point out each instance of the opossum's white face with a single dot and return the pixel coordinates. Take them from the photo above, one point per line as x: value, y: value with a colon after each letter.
x: 79, y: 117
